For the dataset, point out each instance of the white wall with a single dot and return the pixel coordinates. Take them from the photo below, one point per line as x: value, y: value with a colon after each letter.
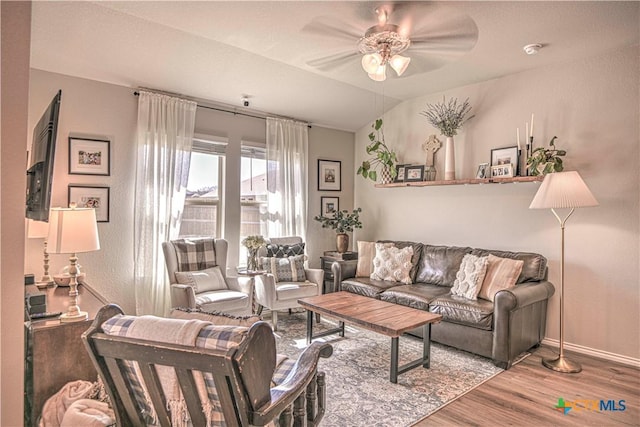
x: 95, y: 109
x: 593, y: 107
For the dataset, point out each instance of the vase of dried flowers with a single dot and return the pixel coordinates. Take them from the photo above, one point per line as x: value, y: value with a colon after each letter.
x: 448, y: 117
x: 253, y: 244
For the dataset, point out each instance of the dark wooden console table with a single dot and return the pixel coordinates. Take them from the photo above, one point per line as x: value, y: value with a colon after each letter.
x: 54, y: 353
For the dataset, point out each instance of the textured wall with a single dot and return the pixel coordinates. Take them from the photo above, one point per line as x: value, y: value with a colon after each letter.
x: 593, y: 107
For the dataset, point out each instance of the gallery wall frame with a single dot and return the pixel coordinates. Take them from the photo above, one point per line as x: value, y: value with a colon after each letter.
x: 329, y: 206
x: 90, y: 196
x: 89, y: 156
x: 329, y: 175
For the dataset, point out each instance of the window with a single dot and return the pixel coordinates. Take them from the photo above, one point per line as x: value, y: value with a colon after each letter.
x: 253, y: 193
x: 202, y: 207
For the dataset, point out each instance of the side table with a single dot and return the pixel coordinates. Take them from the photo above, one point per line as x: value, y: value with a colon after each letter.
x: 327, y: 260
x: 251, y: 274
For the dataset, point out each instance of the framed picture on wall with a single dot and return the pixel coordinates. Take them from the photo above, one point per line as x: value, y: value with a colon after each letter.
x: 502, y: 171
x: 505, y: 156
x: 96, y: 197
x: 89, y: 156
x: 329, y: 206
x: 329, y: 175
x: 400, y: 173
x: 413, y: 173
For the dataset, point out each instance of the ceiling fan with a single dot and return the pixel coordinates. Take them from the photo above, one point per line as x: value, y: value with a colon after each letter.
x: 445, y: 35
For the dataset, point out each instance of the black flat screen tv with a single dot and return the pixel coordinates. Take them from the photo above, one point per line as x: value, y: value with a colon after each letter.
x: 40, y: 172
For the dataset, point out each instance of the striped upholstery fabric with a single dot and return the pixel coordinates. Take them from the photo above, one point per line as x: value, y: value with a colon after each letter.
x: 197, y: 254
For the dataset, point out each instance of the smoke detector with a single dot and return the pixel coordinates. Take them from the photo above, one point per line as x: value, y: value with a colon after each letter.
x: 532, y: 49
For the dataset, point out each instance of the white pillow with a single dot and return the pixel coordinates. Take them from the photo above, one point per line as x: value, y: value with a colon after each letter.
x: 470, y: 276
x: 502, y: 273
x: 207, y: 280
x: 392, y: 264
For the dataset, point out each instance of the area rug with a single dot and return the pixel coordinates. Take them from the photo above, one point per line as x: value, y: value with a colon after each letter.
x: 359, y: 392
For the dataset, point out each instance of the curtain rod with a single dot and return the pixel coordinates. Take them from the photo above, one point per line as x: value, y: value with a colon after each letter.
x: 136, y: 93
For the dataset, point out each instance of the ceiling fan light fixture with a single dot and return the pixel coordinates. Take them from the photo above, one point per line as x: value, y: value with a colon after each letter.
x: 399, y: 63
x: 371, y: 62
x: 379, y: 75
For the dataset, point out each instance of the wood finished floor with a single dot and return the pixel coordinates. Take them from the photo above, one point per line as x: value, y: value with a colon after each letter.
x: 526, y: 395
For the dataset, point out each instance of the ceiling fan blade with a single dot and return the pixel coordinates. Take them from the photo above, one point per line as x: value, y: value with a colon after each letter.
x: 329, y: 27
x: 330, y: 62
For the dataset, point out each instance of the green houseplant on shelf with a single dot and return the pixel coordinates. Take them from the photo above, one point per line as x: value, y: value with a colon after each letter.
x: 342, y: 222
x: 448, y: 117
x: 546, y: 160
x: 381, y: 157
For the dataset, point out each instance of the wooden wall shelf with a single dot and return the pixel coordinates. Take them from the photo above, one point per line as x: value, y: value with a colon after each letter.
x: 463, y: 182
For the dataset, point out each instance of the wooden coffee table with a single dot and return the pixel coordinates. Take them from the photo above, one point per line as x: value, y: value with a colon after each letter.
x: 377, y: 316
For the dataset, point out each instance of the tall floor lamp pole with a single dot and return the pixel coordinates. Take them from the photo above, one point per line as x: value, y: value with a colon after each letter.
x: 559, y: 191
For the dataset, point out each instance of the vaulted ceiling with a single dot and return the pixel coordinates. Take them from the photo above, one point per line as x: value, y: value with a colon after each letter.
x: 298, y: 58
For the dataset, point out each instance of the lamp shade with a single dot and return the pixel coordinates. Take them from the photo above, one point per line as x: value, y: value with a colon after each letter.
x: 371, y: 62
x: 380, y: 75
x: 72, y: 230
x: 399, y: 63
x: 37, y: 229
x: 563, y: 190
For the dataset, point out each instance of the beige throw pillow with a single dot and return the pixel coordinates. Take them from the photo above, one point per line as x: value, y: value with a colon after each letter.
x: 502, y: 273
x: 207, y: 280
x: 366, y: 253
x: 392, y: 264
x: 470, y: 276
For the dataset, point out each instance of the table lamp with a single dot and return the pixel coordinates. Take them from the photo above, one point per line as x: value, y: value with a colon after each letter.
x: 562, y: 190
x: 73, y: 230
x: 40, y: 230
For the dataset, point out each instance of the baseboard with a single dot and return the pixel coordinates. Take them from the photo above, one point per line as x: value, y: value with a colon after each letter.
x: 625, y: 360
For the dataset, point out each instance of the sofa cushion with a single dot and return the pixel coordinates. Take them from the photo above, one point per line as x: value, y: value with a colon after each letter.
x: 439, y: 264
x: 502, y: 273
x: 533, y: 270
x: 455, y: 309
x: 415, y: 258
x: 415, y: 296
x: 366, y: 253
x: 470, y: 276
x: 367, y: 287
x: 392, y: 263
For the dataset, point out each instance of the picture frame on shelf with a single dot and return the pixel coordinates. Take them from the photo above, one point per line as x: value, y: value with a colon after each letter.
x: 400, y: 173
x: 502, y: 171
x: 329, y: 206
x: 506, y: 155
x: 88, y: 196
x: 483, y: 171
x: 329, y: 175
x: 414, y: 173
x: 89, y: 156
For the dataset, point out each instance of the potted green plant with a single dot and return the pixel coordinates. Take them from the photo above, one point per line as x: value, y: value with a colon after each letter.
x: 448, y: 118
x: 546, y: 160
x: 342, y: 222
x: 381, y: 157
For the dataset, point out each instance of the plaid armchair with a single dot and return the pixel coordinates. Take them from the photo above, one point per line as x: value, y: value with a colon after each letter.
x: 198, y: 276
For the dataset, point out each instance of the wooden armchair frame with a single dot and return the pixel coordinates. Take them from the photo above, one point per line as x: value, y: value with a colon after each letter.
x: 242, y: 377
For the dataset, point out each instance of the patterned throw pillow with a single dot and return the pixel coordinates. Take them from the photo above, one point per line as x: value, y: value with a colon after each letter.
x: 502, y: 273
x: 392, y: 264
x: 284, y: 251
x: 198, y: 254
x: 290, y: 269
x: 470, y: 276
x: 207, y: 280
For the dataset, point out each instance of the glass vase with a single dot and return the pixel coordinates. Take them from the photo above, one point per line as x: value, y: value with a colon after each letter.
x: 252, y: 259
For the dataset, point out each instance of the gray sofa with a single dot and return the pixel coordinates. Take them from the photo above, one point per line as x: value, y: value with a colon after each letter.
x: 500, y: 330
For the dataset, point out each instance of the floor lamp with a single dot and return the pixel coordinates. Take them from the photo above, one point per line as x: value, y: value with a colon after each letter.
x: 562, y: 190
x: 71, y: 231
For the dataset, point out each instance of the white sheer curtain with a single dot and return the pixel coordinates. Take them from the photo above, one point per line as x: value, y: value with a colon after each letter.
x: 287, y: 173
x: 165, y: 133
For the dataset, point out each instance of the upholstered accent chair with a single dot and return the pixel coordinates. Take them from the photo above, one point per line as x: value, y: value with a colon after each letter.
x: 159, y: 371
x: 280, y: 291
x: 198, y: 276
